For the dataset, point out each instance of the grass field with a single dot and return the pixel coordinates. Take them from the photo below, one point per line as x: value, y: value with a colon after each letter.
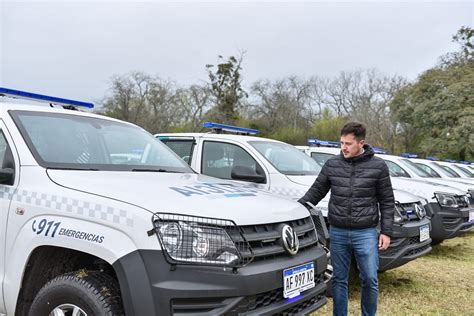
x: 440, y: 283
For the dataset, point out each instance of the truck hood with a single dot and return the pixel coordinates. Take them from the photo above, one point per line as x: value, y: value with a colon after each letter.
x: 189, y: 194
x: 304, y: 183
x: 422, y: 188
x: 455, y: 184
x: 405, y: 197
x: 400, y: 195
x: 304, y: 180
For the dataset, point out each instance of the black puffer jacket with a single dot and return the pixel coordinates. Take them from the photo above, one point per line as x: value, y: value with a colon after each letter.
x: 360, y: 187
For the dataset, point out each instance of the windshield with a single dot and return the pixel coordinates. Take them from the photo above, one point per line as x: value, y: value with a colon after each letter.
x: 448, y: 171
x: 428, y: 170
x: 464, y: 171
x: 416, y: 169
x: 66, y: 141
x: 286, y: 158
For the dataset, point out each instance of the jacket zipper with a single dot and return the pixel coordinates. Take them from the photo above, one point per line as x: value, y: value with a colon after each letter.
x: 352, y: 192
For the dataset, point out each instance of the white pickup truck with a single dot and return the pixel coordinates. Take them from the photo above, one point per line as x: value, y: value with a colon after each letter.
x: 99, y: 218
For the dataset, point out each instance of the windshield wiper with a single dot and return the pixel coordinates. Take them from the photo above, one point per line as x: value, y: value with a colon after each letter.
x: 70, y: 168
x: 155, y: 170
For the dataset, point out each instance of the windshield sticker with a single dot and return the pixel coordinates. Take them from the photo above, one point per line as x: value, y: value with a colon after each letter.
x: 224, y: 190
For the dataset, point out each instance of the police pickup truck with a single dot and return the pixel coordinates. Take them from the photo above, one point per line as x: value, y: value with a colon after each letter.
x: 280, y: 168
x: 99, y: 218
x: 448, y: 207
x: 405, y: 167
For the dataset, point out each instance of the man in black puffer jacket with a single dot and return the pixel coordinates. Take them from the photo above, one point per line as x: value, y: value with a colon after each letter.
x: 361, y: 197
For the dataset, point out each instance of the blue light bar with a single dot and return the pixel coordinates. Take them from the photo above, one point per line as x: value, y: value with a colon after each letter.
x: 408, y: 155
x: 323, y: 143
x: 230, y: 128
x: 465, y: 162
x: 450, y: 160
x: 43, y: 98
x: 432, y: 158
x: 379, y: 150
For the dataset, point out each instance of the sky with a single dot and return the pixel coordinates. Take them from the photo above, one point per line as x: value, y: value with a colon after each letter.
x: 72, y: 49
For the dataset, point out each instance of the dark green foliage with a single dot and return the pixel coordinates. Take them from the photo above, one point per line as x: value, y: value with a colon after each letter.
x: 438, y: 109
x: 226, y: 88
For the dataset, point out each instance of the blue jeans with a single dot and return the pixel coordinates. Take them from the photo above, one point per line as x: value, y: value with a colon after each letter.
x: 364, y: 243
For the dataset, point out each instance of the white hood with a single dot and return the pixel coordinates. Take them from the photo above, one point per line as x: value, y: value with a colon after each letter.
x: 304, y: 180
x: 455, y: 184
x: 422, y: 188
x: 405, y: 197
x: 189, y: 194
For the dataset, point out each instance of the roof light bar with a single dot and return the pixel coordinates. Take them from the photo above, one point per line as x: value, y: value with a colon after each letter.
x: 432, y: 158
x: 230, y: 128
x: 465, y: 162
x: 408, y: 155
x: 322, y: 143
x: 379, y: 150
x: 450, y: 160
x: 43, y: 98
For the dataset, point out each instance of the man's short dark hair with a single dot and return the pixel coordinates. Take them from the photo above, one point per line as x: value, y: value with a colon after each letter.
x: 358, y: 129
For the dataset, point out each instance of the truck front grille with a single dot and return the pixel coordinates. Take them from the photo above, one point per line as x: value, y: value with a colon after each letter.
x: 265, y: 240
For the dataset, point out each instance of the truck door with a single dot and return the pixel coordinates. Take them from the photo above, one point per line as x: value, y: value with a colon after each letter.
x: 8, y: 173
x: 222, y: 159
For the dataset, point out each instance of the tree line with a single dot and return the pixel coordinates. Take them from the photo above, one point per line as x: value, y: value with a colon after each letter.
x: 433, y: 115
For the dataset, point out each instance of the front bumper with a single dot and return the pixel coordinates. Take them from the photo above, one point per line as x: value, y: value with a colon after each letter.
x: 405, y: 245
x: 447, y: 222
x: 150, y: 286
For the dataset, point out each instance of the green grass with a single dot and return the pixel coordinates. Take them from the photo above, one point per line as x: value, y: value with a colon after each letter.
x: 440, y: 283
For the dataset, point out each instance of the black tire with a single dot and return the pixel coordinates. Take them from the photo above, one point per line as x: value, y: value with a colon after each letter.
x: 436, y: 242
x: 329, y: 289
x: 94, y: 292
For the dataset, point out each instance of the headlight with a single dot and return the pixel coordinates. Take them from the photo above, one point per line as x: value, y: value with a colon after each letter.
x: 467, y: 199
x: 447, y: 199
x: 397, y: 216
x: 171, y: 235
x: 196, y: 240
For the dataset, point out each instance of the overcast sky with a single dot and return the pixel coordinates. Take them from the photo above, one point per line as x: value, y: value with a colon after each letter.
x: 72, y: 49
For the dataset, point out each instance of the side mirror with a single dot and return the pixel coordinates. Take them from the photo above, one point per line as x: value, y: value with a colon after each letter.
x: 6, y: 175
x: 246, y: 174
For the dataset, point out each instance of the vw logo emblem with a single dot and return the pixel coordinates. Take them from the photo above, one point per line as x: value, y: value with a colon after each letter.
x: 290, y: 240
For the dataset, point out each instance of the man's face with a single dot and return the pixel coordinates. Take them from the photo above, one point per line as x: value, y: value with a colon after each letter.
x: 350, y: 146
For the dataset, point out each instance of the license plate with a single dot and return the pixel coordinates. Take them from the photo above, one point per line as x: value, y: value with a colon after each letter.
x: 424, y: 232
x: 298, y: 279
x: 471, y: 216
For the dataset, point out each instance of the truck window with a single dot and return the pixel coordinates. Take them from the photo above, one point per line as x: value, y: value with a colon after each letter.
x: 396, y: 170
x: 3, y: 148
x: 182, y: 147
x: 218, y: 159
x: 6, y: 157
x: 321, y: 158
